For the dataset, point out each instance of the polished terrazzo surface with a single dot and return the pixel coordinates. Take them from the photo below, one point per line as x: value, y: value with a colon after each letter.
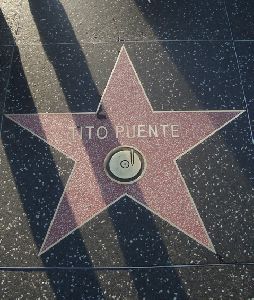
x: 57, y: 57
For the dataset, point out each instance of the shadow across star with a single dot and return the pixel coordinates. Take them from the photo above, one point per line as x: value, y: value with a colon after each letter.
x: 162, y: 189
x: 75, y: 101
x: 73, y: 250
x: 39, y: 176
x: 126, y: 233
x: 201, y: 70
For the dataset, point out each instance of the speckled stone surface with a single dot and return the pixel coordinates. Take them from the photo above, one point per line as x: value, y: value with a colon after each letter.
x: 69, y: 21
x: 241, y: 17
x: 5, y: 67
x: 245, y: 51
x: 175, y: 76
x: 192, y: 75
x: 228, y: 282
x: 74, y: 77
x: 9, y: 20
x: 63, y: 55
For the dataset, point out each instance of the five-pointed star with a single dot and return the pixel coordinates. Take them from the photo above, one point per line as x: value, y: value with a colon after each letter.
x: 89, y: 190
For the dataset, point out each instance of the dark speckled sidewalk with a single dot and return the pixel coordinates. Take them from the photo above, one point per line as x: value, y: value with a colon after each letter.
x: 182, y: 227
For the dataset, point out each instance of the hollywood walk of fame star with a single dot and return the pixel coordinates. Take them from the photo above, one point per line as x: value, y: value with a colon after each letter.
x: 161, y: 188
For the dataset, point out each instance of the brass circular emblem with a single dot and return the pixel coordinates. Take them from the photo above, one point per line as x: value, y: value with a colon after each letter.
x: 125, y: 164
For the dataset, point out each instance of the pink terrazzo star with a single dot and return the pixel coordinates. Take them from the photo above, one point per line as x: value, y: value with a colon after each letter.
x: 162, y: 189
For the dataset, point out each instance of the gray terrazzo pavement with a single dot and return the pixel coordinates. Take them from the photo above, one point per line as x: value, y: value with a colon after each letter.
x: 56, y: 57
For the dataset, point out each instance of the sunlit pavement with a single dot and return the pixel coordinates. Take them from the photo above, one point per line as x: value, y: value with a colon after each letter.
x: 127, y: 151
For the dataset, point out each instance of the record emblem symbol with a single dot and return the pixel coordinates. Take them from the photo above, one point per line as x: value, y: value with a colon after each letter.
x: 125, y: 164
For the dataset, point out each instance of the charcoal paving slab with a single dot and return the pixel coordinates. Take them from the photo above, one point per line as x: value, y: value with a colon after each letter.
x: 71, y: 21
x: 9, y: 21
x: 175, y: 76
x: 5, y: 66
x: 241, y: 17
x: 246, y: 64
x: 221, y: 282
